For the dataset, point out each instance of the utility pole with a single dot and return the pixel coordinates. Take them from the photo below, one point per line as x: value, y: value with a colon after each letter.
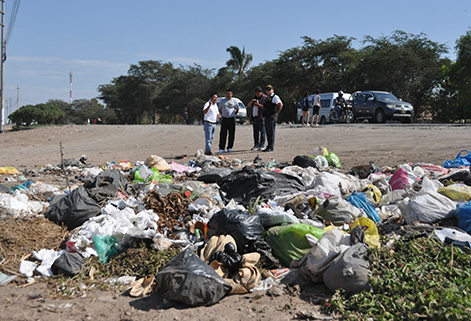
x: 70, y: 87
x: 2, y: 69
x: 17, y: 97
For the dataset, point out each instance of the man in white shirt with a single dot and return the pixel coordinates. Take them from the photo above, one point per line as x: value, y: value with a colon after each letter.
x: 211, y: 115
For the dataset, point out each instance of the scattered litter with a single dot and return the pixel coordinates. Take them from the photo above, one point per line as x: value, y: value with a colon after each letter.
x: 302, y: 222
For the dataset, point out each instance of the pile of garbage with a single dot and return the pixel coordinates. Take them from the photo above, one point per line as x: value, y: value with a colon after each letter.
x: 240, y: 225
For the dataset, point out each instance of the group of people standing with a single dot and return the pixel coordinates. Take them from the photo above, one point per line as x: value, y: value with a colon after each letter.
x: 316, y: 107
x: 265, y: 110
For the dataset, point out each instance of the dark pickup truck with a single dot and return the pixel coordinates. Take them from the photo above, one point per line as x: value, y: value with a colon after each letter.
x: 380, y: 106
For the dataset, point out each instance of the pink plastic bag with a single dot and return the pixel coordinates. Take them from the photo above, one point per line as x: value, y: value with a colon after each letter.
x: 400, y: 179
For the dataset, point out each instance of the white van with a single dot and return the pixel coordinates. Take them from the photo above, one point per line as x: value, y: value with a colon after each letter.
x: 327, y: 102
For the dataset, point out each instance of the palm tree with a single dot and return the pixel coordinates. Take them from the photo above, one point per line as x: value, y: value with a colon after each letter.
x: 239, y: 61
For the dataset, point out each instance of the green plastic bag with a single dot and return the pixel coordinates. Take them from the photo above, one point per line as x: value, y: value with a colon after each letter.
x: 289, y: 242
x: 146, y: 175
x: 105, y: 247
x: 160, y: 178
x: 333, y: 160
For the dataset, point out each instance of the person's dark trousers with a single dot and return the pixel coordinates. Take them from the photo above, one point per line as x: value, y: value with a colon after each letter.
x: 258, y: 132
x: 227, y: 125
x: 270, y: 124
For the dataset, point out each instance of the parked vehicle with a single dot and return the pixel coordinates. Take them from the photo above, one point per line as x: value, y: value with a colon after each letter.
x: 380, y: 106
x: 241, y: 116
x: 327, y: 102
x: 346, y: 114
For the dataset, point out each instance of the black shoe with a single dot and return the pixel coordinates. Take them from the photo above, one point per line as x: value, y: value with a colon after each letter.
x: 208, y: 153
x: 268, y: 150
x: 254, y: 148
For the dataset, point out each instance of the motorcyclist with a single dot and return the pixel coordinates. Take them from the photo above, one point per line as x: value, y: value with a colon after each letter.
x: 339, y: 102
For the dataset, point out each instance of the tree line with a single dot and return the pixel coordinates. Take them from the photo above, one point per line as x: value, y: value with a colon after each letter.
x: 411, y: 66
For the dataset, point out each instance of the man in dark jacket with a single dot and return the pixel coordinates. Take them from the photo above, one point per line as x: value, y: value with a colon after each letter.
x: 271, y: 109
x: 258, y: 121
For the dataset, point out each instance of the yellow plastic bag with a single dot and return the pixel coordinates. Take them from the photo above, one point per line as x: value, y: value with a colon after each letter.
x: 373, y: 191
x: 157, y: 162
x: 8, y: 170
x: 371, y: 233
x: 456, y: 192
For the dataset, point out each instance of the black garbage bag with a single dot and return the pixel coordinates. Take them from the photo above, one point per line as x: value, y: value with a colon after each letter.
x: 462, y: 175
x: 106, y: 185
x: 247, y: 231
x: 213, y: 174
x: 304, y: 161
x: 112, y: 177
x: 68, y: 264
x: 247, y: 184
x: 73, y: 209
x: 189, y: 280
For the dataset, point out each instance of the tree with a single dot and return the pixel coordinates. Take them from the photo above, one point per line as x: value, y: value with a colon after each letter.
x: 87, y: 109
x: 409, y: 66
x: 324, y: 65
x: 132, y: 96
x: 182, y: 99
x: 66, y: 108
x: 455, y: 95
x: 239, y: 61
x: 41, y: 114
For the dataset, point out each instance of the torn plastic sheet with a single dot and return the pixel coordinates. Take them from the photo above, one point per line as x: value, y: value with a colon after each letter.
x: 19, y: 204
x: 27, y: 268
x: 5, y: 279
x: 47, y: 258
x: 123, y: 224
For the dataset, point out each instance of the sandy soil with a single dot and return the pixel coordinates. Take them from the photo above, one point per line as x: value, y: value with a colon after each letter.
x: 356, y: 144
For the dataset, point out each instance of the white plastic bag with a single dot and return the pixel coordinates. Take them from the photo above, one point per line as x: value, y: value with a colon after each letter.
x: 428, y: 206
x: 319, y: 258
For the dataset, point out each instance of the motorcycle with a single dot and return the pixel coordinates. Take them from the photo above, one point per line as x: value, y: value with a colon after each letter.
x: 346, y: 114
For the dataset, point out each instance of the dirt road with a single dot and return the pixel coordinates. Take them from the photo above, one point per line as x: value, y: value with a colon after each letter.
x: 356, y: 144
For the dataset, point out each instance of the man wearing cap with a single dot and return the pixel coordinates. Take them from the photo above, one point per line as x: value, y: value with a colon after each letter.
x: 271, y: 109
x: 228, y: 108
x: 258, y: 121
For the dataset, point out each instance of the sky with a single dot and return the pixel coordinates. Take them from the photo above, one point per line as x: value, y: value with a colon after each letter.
x: 98, y: 40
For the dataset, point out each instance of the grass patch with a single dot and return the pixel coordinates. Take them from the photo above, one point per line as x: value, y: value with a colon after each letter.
x: 138, y: 260
x: 419, y: 279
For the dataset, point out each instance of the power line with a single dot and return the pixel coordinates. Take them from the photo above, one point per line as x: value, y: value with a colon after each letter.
x: 14, y: 12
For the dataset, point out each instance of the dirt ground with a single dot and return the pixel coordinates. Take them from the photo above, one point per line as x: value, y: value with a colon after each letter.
x: 356, y: 144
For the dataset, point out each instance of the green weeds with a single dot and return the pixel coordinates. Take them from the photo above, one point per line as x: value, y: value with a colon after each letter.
x: 419, y: 279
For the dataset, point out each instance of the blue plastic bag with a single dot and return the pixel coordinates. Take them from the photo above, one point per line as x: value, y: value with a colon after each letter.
x: 361, y: 201
x: 463, y: 214
x: 459, y: 160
